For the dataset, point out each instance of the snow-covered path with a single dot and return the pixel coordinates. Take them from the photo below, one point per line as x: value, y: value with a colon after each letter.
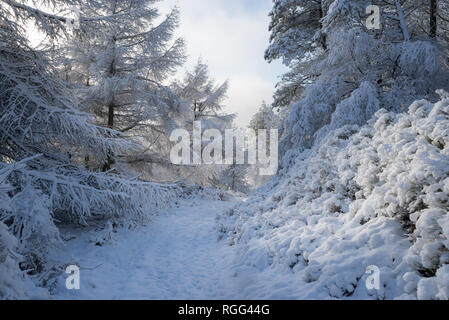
x: 177, y: 256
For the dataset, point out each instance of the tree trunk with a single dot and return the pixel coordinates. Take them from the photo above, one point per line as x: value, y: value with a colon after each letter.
x: 110, y: 159
x: 111, y: 116
x: 433, y: 18
x: 112, y: 70
x: 402, y: 21
x: 323, y: 36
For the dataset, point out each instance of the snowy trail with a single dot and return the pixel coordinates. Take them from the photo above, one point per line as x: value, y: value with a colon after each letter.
x: 177, y: 256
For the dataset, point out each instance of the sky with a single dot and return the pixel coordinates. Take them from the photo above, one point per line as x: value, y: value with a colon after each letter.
x: 231, y: 37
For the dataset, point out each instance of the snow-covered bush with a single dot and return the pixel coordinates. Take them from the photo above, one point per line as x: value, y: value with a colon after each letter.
x: 11, y: 283
x: 371, y: 195
x: 11, y: 286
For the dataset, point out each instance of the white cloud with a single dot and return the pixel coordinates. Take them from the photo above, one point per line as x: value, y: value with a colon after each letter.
x: 231, y: 36
x: 245, y: 95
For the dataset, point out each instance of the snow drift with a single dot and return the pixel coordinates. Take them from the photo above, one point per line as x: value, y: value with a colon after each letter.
x: 371, y: 195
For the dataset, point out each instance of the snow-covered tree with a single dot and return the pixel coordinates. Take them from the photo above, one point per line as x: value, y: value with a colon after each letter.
x: 11, y: 281
x: 431, y: 19
x: 234, y: 177
x: 265, y: 118
x: 203, y: 97
x: 376, y: 194
x: 364, y: 169
x: 44, y: 140
x: 120, y: 65
x: 203, y: 102
x: 359, y: 69
x: 294, y: 26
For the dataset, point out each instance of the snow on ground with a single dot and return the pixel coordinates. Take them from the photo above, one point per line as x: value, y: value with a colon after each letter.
x: 177, y: 256
x: 376, y: 195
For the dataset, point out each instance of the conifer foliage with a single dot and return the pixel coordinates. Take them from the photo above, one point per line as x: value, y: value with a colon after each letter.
x: 45, y: 137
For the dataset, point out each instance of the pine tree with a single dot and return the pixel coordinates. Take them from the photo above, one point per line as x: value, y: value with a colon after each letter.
x: 203, y: 97
x: 295, y: 38
x: 265, y: 118
x: 203, y: 100
x: 44, y: 139
x: 234, y: 178
x: 293, y: 26
x: 357, y: 71
x: 127, y: 58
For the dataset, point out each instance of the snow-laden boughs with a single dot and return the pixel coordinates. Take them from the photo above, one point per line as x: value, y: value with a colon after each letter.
x: 400, y: 62
x: 234, y: 178
x: 204, y: 98
x: 371, y: 195
x: 264, y: 119
x: 203, y: 101
x: 11, y: 278
x: 293, y: 27
x: 11, y: 284
x: 120, y: 64
x: 44, y: 142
